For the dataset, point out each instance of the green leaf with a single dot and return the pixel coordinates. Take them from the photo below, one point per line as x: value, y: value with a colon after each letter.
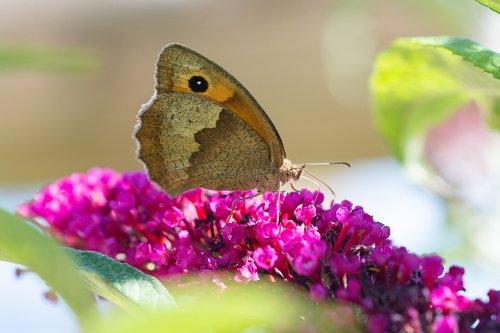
x: 23, y: 244
x: 121, y: 283
x: 31, y: 58
x: 491, y: 4
x: 419, y: 82
x: 239, y: 308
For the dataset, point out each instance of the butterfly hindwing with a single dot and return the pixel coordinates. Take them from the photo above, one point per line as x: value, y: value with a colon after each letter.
x: 188, y: 141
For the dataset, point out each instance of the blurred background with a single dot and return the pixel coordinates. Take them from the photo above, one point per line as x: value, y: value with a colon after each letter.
x: 308, y: 65
x: 74, y: 74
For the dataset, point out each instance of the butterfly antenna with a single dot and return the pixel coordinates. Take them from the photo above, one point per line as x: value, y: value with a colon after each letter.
x: 320, y: 180
x: 328, y: 163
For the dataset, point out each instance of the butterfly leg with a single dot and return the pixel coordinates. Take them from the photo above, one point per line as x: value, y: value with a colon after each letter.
x: 319, y: 179
x: 237, y: 200
x: 278, y: 204
x: 294, y: 188
x: 317, y: 184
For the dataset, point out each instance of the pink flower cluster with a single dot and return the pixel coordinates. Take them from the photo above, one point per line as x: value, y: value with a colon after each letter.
x: 338, y: 253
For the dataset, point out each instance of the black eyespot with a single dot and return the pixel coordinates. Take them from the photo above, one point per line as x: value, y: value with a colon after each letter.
x: 198, y: 84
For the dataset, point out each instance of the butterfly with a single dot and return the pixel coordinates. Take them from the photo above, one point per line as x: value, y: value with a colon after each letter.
x: 202, y: 128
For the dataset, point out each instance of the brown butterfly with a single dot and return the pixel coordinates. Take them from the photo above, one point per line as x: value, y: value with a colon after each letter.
x: 202, y: 128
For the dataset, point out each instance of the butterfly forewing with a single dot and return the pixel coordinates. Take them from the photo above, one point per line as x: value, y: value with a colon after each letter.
x: 177, y: 67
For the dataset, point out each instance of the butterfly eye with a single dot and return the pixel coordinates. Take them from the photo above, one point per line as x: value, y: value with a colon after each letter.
x: 198, y: 84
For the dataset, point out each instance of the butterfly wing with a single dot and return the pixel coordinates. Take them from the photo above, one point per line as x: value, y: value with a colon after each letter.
x: 180, y: 69
x: 188, y: 141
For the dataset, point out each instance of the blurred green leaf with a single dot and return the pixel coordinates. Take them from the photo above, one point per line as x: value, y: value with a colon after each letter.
x: 30, y: 58
x: 239, y: 308
x: 256, y: 307
x: 491, y: 4
x: 419, y: 82
x: 23, y: 244
x: 121, y: 283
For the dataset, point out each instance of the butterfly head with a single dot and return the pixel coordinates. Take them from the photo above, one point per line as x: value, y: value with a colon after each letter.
x: 290, y: 171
